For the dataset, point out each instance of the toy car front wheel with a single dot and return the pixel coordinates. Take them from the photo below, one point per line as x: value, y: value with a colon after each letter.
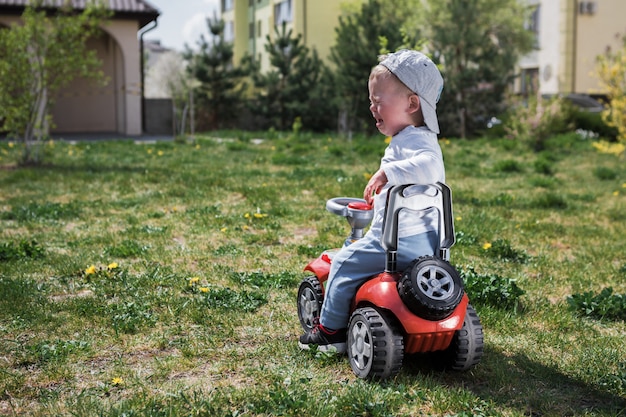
x: 310, y: 297
x: 375, y: 345
x: 431, y: 288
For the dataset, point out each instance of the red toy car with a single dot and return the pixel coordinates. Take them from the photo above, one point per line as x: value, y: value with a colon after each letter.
x: 421, y: 309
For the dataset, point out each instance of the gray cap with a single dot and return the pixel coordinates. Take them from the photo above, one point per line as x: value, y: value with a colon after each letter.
x: 422, y: 77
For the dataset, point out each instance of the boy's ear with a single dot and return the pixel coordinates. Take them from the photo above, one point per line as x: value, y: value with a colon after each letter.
x: 414, y: 103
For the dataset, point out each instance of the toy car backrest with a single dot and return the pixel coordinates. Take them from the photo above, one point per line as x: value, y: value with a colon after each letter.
x: 421, y: 199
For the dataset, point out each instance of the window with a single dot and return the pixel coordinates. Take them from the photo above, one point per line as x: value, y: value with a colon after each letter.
x: 258, y: 29
x: 283, y: 12
x: 533, y: 24
x: 251, y: 30
x: 227, y: 5
x: 229, y: 32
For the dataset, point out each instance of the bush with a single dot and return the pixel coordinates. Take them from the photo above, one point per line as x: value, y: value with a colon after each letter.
x: 604, y: 305
x: 490, y: 289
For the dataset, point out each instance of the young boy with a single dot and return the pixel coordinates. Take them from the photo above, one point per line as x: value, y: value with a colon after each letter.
x: 403, y: 91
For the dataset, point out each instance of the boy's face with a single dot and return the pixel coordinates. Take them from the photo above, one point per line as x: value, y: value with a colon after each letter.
x: 391, y: 104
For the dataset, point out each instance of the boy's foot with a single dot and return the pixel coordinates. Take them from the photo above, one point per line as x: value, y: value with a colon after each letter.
x: 324, y: 339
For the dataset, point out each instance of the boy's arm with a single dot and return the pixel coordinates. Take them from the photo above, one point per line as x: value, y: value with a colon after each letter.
x: 374, y: 185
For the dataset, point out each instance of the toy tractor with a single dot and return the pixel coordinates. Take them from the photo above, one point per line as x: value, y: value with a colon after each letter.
x: 421, y: 309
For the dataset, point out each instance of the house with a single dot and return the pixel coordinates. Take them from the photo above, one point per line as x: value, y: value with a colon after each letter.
x: 249, y: 22
x: 570, y: 34
x: 118, y: 107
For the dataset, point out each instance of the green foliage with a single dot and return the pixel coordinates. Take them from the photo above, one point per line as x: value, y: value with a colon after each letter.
x: 35, y: 64
x: 298, y: 87
x: 227, y: 299
x: 537, y: 119
x: 126, y: 249
x: 24, y: 249
x: 501, y: 249
x: 611, y: 69
x: 40, y: 212
x: 266, y: 280
x: 221, y: 88
x: 490, y: 290
x: 605, y: 173
x: 604, y: 306
x: 358, y: 44
x: 478, y: 43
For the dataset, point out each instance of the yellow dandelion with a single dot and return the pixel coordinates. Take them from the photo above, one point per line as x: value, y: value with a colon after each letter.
x: 615, y: 193
x: 487, y: 246
x: 245, y: 227
x: 367, y: 175
x: 197, y: 146
x: 194, y: 280
x: 247, y: 215
x: 11, y: 144
x: 117, y: 381
x: 149, y: 151
x: 388, y: 139
x: 224, y: 229
x: 160, y: 153
x: 459, y: 218
x: 624, y: 185
x: 91, y: 270
x: 259, y: 215
x: 112, y: 265
x: 204, y: 289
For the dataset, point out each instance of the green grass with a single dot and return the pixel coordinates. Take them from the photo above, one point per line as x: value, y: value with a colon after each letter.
x: 159, y: 279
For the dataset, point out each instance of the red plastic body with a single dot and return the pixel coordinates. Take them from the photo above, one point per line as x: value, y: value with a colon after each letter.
x: 420, y: 335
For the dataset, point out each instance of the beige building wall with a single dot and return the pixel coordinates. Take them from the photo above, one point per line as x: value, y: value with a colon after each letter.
x: 83, y: 106
x: 572, y: 34
x: 597, y: 30
x: 253, y: 20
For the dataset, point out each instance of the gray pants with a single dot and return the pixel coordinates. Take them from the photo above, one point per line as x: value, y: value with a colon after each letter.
x: 360, y: 261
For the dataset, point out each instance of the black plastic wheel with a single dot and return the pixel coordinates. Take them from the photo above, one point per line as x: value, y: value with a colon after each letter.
x: 310, y: 297
x: 431, y: 288
x: 466, y: 348
x: 375, y: 344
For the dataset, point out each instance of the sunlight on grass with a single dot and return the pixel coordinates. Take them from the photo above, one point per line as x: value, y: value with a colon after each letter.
x: 160, y: 279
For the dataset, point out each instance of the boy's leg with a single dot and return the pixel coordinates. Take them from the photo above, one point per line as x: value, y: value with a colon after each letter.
x: 350, y: 268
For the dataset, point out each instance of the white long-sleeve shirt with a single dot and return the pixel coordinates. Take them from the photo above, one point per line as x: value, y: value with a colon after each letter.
x: 412, y: 157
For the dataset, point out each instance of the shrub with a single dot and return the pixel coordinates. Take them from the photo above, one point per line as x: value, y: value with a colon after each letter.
x: 490, y: 289
x: 604, y: 305
x: 23, y: 249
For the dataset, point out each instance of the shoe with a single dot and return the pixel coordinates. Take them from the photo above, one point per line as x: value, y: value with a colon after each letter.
x: 325, y: 340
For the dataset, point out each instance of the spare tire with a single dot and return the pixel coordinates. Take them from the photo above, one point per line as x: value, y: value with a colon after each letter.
x: 431, y: 288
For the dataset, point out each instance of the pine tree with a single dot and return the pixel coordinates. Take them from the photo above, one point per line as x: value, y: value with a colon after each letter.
x: 361, y: 36
x: 220, y: 91
x: 297, y: 86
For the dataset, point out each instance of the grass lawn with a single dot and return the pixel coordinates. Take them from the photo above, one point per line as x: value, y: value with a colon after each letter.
x: 160, y: 279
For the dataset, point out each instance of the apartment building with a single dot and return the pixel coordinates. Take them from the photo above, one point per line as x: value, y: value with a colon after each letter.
x: 570, y: 34
x: 249, y: 22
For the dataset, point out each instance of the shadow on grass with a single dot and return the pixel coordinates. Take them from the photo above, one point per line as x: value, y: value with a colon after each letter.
x: 518, y: 382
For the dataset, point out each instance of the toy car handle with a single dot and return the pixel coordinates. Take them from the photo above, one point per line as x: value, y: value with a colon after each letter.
x: 343, y: 205
x: 437, y: 196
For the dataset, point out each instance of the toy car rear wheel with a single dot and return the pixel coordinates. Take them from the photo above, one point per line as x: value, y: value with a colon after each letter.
x: 375, y: 344
x: 431, y: 288
x: 310, y: 298
x: 466, y: 348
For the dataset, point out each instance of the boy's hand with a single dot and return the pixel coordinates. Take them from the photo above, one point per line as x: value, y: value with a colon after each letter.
x: 374, y: 185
